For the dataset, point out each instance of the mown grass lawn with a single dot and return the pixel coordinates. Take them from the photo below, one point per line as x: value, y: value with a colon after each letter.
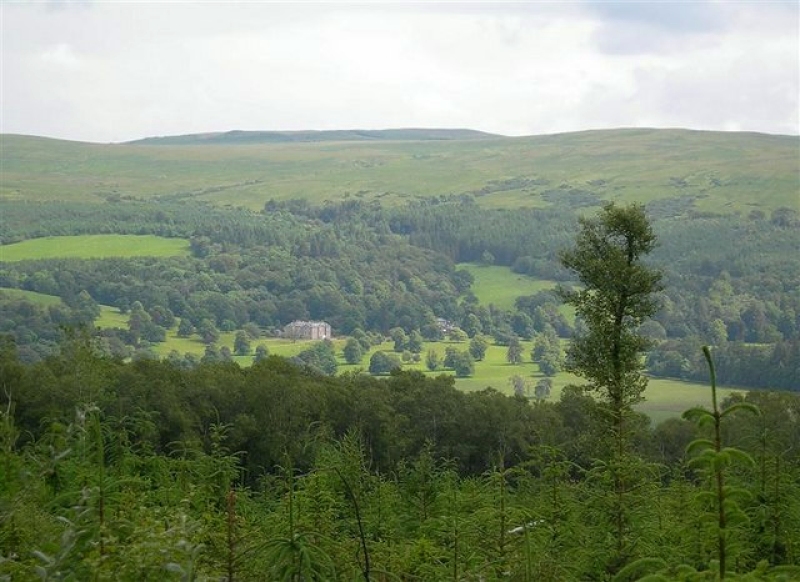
x: 275, y: 346
x: 94, y: 246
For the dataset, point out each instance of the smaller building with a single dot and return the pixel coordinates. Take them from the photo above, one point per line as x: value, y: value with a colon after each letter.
x: 313, y: 330
x: 445, y: 326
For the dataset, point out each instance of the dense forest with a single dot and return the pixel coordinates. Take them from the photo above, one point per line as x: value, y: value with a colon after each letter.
x: 118, y: 464
x: 148, y: 470
x: 730, y: 281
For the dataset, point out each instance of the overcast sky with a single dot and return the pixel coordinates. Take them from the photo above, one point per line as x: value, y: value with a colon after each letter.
x: 115, y: 71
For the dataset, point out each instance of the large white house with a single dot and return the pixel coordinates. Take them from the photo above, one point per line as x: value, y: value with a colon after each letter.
x: 314, y: 330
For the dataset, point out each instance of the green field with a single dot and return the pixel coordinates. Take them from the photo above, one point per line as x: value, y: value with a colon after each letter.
x: 110, y: 317
x: 720, y: 171
x: 193, y: 345
x: 501, y: 286
x: 664, y: 398
x: 32, y: 296
x: 94, y: 246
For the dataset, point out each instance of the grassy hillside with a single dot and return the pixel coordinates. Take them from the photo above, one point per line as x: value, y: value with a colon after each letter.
x: 110, y: 317
x: 723, y: 172
x: 93, y: 247
x: 37, y: 298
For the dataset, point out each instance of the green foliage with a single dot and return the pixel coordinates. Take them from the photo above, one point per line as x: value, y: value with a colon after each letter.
x: 262, y: 352
x: 714, y: 459
x: 543, y: 388
x: 477, y: 347
x: 514, y: 352
x: 241, y: 344
x: 174, y: 475
x: 383, y: 363
x: 353, y: 351
x: 463, y: 364
x: 613, y: 307
x: 265, y: 269
x: 433, y: 360
x: 617, y: 295
x: 320, y: 356
x: 147, y: 470
x: 399, y: 338
x: 547, y: 351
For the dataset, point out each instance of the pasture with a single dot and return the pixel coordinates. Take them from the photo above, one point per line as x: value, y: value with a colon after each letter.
x: 94, y: 246
x: 501, y: 286
x: 37, y: 298
x: 664, y: 398
x: 110, y: 317
x: 716, y: 171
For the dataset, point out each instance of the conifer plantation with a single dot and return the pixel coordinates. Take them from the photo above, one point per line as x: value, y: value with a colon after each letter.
x: 144, y: 469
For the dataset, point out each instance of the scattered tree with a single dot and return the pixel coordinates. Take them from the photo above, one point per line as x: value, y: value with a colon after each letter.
x: 261, y: 352
x: 433, y: 360
x: 353, y: 352
x: 383, y: 363
x: 463, y: 364
x: 514, y: 352
x: 241, y: 344
x: 477, y: 347
x: 543, y: 388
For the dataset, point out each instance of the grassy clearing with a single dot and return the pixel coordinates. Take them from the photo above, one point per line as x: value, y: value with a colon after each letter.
x: 725, y: 170
x: 194, y: 345
x: 501, y: 286
x: 664, y: 398
x: 32, y: 296
x: 110, y: 317
x: 94, y: 246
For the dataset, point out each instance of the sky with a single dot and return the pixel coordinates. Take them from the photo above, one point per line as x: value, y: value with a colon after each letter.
x: 107, y: 71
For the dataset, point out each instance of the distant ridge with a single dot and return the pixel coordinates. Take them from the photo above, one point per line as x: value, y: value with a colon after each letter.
x: 676, y: 170
x: 255, y: 137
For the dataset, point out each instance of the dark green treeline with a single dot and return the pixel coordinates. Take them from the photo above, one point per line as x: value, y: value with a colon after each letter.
x: 147, y: 471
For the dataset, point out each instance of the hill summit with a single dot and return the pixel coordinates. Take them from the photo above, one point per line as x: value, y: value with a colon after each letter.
x: 255, y: 137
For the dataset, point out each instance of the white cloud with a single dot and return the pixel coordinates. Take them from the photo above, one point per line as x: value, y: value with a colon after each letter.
x: 61, y: 55
x: 110, y: 72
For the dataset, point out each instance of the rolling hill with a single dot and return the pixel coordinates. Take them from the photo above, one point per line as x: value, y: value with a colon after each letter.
x: 705, y: 171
